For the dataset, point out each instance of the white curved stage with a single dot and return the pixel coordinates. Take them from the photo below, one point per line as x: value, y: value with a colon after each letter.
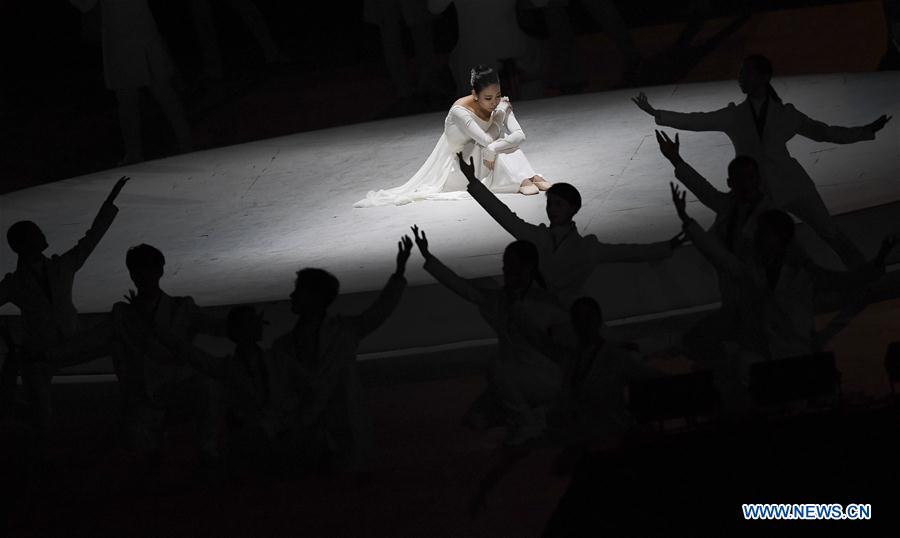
x: 236, y: 222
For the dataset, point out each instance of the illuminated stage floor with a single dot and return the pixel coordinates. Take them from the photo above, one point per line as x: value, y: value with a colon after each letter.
x: 236, y: 222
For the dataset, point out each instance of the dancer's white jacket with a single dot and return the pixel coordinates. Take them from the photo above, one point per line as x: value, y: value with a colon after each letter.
x: 784, y: 178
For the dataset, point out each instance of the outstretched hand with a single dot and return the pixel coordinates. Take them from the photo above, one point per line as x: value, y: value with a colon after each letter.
x: 668, y: 147
x: 117, y: 188
x: 879, y: 124
x: 404, y: 248
x: 643, y: 103
x: 678, y: 198
x: 467, y: 168
x: 421, y: 241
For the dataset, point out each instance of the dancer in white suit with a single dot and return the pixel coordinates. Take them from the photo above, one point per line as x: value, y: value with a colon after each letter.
x: 481, y: 126
x: 760, y: 127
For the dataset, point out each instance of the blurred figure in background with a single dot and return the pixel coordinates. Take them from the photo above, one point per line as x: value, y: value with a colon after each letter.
x: 390, y: 16
x: 568, y: 58
x: 489, y: 34
x: 135, y: 57
x: 208, y: 38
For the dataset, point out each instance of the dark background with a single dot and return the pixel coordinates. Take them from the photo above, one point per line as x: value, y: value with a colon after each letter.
x: 57, y: 119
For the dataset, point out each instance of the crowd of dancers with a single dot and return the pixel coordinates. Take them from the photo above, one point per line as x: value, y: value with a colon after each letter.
x: 299, y: 405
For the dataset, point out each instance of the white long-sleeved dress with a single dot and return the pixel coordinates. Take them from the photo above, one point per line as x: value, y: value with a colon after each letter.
x: 440, y: 178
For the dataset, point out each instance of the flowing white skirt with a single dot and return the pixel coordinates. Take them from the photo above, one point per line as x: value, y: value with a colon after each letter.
x: 441, y: 179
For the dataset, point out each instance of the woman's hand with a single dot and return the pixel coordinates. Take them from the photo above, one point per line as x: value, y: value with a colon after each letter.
x: 421, y: 241
x: 489, y: 164
x: 642, y: 103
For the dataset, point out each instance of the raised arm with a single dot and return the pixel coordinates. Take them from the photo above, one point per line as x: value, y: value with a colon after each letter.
x: 389, y: 297
x: 446, y: 276
x: 697, y: 184
x: 77, y: 255
x: 717, y: 120
x: 830, y: 280
x: 822, y: 132
x: 709, y: 246
x: 510, y: 222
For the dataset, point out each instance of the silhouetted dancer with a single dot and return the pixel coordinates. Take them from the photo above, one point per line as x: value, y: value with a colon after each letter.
x: 154, y: 378
x: 522, y: 382
x: 567, y: 258
x: 255, y: 399
x: 777, y: 288
x: 760, y: 127
x: 41, y: 288
x: 735, y: 225
x: 590, y: 406
x: 319, y: 356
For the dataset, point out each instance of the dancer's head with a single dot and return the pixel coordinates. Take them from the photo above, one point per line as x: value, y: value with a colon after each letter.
x: 586, y: 317
x: 26, y: 239
x: 485, y: 87
x: 521, y: 266
x: 244, y: 325
x: 755, y: 77
x: 314, y: 291
x: 563, y: 201
x: 774, y: 233
x: 743, y: 178
x: 145, y: 266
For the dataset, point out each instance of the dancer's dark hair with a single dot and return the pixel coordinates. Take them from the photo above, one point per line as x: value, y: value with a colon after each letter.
x: 483, y: 76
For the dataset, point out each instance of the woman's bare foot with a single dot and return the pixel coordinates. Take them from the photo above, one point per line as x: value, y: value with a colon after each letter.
x: 541, y: 183
x: 528, y: 188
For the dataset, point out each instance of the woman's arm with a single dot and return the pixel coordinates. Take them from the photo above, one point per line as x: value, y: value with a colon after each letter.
x: 466, y: 122
x: 514, y: 139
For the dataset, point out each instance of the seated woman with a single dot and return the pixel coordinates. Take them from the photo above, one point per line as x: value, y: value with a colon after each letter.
x: 481, y: 126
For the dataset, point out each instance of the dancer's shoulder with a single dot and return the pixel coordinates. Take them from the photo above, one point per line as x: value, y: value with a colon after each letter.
x: 464, y: 102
